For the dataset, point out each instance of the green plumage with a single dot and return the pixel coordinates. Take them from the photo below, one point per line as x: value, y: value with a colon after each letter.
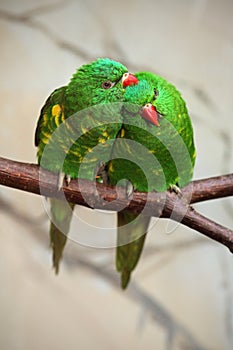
x: 151, y: 157
x: 73, y: 122
x: 80, y: 126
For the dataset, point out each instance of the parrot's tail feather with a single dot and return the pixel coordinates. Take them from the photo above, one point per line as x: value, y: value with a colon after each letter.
x: 61, y: 214
x: 125, y: 278
x: 57, y: 242
x: 131, y: 236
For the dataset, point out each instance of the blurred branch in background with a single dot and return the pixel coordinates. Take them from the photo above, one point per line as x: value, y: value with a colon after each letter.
x: 28, y: 18
x: 177, y: 335
x: 32, y: 178
x: 112, y: 46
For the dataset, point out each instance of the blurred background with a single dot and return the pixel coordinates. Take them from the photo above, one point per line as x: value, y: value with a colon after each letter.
x: 181, y: 294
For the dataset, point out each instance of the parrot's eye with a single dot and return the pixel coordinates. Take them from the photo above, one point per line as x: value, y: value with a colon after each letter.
x: 156, y: 94
x: 107, y: 84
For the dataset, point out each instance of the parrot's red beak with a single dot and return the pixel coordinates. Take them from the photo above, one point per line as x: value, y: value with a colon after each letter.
x: 129, y: 79
x: 149, y: 113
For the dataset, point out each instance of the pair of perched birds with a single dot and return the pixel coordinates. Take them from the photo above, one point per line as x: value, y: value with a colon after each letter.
x: 133, y: 127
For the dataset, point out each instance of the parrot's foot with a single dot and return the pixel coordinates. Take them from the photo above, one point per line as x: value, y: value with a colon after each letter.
x: 63, y: 177
x: 176, y: 189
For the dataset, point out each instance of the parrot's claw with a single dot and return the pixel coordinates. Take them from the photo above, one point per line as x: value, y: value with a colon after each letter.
x: 129, y: 189
x: 61, y: 178
x: 67, y: 179
x: 176, y: 189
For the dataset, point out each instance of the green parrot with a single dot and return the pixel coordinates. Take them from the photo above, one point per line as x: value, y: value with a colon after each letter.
x: 71, y: 124
x: 154, y: 151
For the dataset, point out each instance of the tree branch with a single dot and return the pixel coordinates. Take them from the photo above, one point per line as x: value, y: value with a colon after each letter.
x: 32, y: 178
x: 211, y: 188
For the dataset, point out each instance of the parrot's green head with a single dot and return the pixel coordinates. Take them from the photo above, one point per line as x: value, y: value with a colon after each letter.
x: 142, y: 96
x: 101, y: 81
x: 139, y: 94
x: 157, y: 98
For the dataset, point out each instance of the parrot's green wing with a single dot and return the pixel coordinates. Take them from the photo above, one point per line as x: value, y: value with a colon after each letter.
x: 46, y: 121
x: 152, y: 154
x: 50, y: 117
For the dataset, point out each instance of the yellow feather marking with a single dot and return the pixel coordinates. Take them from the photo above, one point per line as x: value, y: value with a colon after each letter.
x: 110, y: 168
x: 67, y: 124
x: 56, y: 113
x: 101, y: 140
x: 122, y: 132
x: 105, y: 134
x: 45, y: 118
x: 128, y: 148
x: 84, y: 130
x: 64, y: 148
x: 89, y: 160
x: 76, y: 154
x: 62, y: 117
x: 45, y: 136
x: 194, y: 154
x: 56, y: 110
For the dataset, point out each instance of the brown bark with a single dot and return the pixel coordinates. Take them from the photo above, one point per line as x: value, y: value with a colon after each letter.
x: 32, y: 178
